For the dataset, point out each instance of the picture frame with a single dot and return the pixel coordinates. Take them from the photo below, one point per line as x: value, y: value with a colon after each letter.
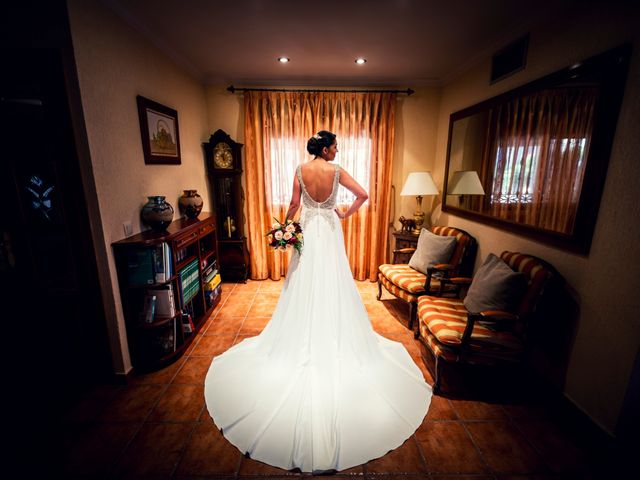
x: 159, y: 132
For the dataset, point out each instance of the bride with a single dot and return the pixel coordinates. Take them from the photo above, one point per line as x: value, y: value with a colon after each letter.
x: 318, y: 389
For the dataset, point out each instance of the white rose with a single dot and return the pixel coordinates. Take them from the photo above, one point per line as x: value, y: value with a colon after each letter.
x: 278, y: 235
x: 275, y: 225
x: 287, y: 236
x: 290, y: 228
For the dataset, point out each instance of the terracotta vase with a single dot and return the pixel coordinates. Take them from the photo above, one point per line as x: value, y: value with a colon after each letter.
x: 157, y: 213
x: 190, y: 203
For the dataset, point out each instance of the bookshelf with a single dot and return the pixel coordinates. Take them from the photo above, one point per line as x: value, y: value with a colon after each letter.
x: 169, y: 284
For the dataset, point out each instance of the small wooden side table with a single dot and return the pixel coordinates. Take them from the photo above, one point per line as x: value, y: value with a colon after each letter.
x: 405, y: 240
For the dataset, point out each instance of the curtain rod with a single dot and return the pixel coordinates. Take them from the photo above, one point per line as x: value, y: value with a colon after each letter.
x: 233, y: 89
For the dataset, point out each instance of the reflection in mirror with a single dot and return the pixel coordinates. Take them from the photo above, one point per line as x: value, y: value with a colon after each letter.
x: 539, y: 152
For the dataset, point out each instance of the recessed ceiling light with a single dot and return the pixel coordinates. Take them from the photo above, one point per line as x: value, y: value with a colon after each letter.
x: 361, y: 61
x: 283, y: 60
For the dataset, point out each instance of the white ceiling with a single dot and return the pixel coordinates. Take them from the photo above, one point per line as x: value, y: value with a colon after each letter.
x: 407, y: 43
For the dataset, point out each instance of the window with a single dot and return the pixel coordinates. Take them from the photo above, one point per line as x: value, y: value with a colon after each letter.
x: 354, y: 155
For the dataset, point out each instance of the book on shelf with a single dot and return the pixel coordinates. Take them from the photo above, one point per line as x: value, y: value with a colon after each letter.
x: 187, y: 323
x: 189, y: 281
x: 165, y: 300
x: 149, y: 308
x: 162, y: 262
x: 140, y: 266
x: 209, y: 273
x: 213, y: 282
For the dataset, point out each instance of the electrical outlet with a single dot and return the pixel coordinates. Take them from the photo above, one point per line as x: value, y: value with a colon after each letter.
x: 128, y: 229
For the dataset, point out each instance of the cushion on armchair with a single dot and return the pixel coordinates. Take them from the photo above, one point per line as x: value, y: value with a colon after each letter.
x: 495, y: 287
x: 431, y: 250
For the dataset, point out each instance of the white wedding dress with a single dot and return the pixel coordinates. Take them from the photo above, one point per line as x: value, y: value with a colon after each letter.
x: 318, y: 389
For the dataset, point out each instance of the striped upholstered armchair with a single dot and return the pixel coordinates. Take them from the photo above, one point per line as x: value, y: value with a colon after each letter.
x: 452, y: 334
x: 408, y: 284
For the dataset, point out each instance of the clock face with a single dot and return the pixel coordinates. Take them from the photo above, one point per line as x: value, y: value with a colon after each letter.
x: 222, y: 156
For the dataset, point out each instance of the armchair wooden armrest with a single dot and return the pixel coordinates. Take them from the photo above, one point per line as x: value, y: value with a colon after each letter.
x: 402, y: 250
x: 490, y: 315
x: 460, y: 280
x: 498, y: 315
x: 443, y: 267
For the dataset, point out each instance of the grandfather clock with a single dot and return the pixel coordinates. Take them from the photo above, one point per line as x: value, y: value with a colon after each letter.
x: 224, y: 170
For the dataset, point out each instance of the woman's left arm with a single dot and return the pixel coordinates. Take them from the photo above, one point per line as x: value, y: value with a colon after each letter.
x: 295, y: 199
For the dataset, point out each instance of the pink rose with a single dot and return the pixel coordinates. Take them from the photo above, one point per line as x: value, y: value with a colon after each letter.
x: 287, y: 236
x: 278, y: 235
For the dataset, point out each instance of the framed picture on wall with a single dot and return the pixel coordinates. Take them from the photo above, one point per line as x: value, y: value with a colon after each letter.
x: 159, y: 130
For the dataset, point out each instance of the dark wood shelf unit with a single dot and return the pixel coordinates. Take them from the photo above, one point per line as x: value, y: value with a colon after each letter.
x: 150, y: 344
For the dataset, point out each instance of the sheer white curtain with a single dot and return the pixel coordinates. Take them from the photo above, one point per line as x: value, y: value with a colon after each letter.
x: 354, y: 155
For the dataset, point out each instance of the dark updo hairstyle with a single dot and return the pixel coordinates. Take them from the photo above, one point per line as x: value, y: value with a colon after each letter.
x: 320, y: 140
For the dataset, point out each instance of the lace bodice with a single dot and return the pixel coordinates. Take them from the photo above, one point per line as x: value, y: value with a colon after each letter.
x: 311, y: 208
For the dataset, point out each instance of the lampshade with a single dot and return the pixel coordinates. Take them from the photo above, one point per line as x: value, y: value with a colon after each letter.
x: 465, y: 182
x: 419, y: 183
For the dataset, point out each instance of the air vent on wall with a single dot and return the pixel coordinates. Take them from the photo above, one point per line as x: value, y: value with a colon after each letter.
x: 510, y: 59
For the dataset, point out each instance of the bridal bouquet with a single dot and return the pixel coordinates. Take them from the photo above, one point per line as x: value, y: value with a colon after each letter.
x: 284, y: 236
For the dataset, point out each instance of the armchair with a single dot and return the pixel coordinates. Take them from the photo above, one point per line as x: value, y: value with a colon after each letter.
x: 408, y: 284
x: 454, y: 335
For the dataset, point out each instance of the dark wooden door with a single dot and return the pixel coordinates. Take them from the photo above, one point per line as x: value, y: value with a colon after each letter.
x: 54, y: 334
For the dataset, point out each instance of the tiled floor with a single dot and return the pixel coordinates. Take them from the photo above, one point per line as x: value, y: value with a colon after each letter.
x: 158, y: 427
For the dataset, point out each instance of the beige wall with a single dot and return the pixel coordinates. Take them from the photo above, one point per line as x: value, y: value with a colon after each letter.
x: 114, y: 65
x: 606, y: 281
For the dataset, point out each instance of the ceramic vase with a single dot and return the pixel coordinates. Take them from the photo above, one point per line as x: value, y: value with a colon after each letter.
x: 190, y: 203
x: 157, y: 213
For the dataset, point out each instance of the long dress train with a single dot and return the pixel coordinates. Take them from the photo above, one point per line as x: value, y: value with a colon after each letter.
x: 318, y: 388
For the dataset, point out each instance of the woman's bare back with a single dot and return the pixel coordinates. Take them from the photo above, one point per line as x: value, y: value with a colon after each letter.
x: 317, y: 177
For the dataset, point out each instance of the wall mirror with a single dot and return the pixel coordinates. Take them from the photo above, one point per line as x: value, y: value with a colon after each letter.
x: 534, y: 160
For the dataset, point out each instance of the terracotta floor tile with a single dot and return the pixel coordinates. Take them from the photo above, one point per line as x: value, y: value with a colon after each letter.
x: 504, y: 449
x: 193, y: 371
x: 242, y: 297
x: 261, y: 309
x: 179, y: 403
x: 440, y: 409
x: 267, y: 296
x: 476, y: 410
x: 556, y: 448
x: 404, y: 459
x: 161, y: 376
x: 192, y: 345
x: 228, y: 287
x: 234, y: 309
x: 92, y: 402
x: 240, y: 338
x: 250, y: 466
x: 96, y: 447
x: 271, y: 285
x: 212, y: 345
x: 250, y: 286
x: 447, y: 448
x: 209, y: 453
x: 253, y: 325
x: 132, y: 404
x: 224, y: 326
x: 155, y: 450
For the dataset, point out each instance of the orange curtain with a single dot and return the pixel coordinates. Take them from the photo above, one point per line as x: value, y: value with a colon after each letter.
x: 539, y: 149
x: 277, y: 127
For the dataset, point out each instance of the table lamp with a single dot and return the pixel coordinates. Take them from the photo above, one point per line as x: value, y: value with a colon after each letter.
x: 419, y: 184
x: 465, y: 182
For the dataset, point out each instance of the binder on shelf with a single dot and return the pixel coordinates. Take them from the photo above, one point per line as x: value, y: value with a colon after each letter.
x: 162, y: 262
x: 189, y: 281
x: 149, y: 310
x: 140, y: 266
x: 165, y: 300
x: 187, y: 323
